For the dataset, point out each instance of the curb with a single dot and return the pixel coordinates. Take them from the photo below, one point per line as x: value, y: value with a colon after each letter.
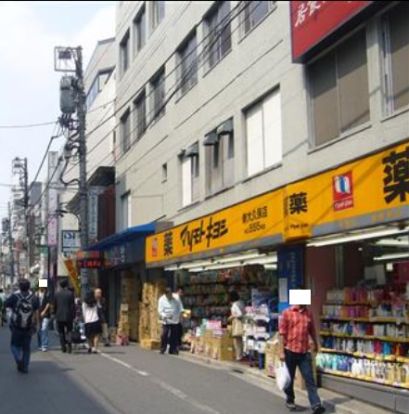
x: 268, y: 384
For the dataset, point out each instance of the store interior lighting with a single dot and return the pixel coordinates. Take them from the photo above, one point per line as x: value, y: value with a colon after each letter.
x: 357, y: 236
x: 400, y: 242
x: 393, y: 256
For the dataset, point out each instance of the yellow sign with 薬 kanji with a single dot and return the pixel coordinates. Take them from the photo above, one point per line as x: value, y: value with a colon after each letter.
x: 358, y: 194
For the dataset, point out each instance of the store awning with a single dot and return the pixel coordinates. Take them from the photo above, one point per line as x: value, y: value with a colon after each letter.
x: 124, y: 236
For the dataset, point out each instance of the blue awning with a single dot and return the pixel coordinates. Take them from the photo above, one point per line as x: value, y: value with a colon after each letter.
x: 123, y: 237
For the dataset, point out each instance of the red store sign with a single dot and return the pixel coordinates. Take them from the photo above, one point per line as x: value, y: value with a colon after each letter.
x: 313, y: 21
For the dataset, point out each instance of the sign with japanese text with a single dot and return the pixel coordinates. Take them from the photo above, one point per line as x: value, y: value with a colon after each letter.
x: 254, y: 219
x: 70, y: 241
x: 362, y: 193
x: 312, y: 21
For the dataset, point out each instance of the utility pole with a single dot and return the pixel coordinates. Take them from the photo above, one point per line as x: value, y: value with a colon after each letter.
x: 11, y: 251
x: 83, y: 188
x: 73, y: 99
x: 25, y: 201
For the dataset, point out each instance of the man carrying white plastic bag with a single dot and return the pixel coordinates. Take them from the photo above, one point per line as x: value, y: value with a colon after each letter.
x: 296, y: 328
x: 283, y: 378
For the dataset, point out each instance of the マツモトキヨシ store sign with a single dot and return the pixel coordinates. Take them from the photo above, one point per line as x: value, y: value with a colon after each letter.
x: 362, y: 193
x: 313, y: 21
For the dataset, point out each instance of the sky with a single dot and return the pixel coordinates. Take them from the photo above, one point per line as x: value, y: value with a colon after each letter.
x: 29, y: 93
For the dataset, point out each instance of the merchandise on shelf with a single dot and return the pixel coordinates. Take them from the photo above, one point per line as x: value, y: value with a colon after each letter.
x: 364, y: 334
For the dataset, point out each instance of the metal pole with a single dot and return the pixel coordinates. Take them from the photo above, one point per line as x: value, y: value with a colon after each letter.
x: 28, y: 233
x: 10, y: 237
x: 83, y: 190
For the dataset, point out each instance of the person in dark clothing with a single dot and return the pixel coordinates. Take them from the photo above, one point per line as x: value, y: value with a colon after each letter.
x: 23, y: 323
x: 102, y: 313
x: 64, y: 310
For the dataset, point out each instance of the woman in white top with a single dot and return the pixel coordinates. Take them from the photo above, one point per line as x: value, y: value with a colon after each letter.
x: 93, y: 327
x: 236, y: 318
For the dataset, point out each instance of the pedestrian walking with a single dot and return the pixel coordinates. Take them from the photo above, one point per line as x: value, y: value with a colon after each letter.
x: 102, y: 313
x: 93, y: 328
x: 2, y: 307
x: 45, y: 314
x: 237, y: 312
x: 23, y: 322
x: 169, y: 310
x: 64, y: 310
x: 296, y: 327
x: 179, y: 329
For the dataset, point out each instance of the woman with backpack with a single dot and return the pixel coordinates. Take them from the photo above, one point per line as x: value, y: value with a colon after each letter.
x: 93, y: 327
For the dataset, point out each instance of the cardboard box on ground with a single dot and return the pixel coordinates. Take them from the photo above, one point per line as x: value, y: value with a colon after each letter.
x: 216, y: 347
x: 273, y: 359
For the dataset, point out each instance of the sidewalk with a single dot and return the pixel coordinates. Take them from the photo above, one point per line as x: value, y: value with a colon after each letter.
x: 334, y: 402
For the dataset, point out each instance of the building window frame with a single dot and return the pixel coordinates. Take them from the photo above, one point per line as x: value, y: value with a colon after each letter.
x: 342, y: 133
x: 157, y: 13
x: 215, y: 32
x: 246, y: 12
x: 260, y: 106
x: 125, y: 126
x: 389, y: 106
x: 190, y: 175
x: 158, y: 92
x: 140, y: 30
x: 124, y: 53
x: 187, y: 61
x: 126, y: 211
x: 140, y: 111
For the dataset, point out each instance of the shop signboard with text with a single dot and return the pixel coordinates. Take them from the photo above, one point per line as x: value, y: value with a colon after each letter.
x: 363, y: 193
x: 254, y: 219
x: 313, y: 21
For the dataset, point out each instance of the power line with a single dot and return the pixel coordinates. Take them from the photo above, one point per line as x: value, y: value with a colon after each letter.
x: 222, y: 25
x: 41, y: 124
x: 240, y: 7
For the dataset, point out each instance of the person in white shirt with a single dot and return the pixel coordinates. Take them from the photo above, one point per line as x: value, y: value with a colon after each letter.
x: 237, y: 313
x: 178, y: 296
x: 169, y: 310
x: 93, y: 327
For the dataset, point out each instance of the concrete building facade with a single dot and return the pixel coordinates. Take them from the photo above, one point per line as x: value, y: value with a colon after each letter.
x: 241, y: 72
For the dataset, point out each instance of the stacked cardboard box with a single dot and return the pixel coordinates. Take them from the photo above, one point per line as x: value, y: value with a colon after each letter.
x: 130, y: 289
x: 123, y: 325
x: 149, y: 325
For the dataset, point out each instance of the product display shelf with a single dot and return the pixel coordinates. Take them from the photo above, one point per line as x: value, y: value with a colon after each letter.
x: 365, y: 378
x: 380, y: 338
x: 375, y: 319
x: 375, y: 357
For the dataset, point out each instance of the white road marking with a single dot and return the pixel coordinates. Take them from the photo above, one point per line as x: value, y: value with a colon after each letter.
x: 164, y: 385
x: 124, y: 364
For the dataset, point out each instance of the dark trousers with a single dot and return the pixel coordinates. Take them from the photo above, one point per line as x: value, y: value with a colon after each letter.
x: 169, y: 337
x: 179, y: 331
x: 304, y: 363
x: 65, y: 332
x: 21, y: 347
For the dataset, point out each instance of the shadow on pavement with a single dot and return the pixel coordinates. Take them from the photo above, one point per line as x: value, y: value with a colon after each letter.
x: 48, y: 388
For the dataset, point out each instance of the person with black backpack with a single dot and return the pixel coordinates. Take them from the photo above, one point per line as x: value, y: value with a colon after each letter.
x: 24, y: 319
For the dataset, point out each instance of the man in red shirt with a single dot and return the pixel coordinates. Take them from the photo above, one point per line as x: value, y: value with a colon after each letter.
x: 296, y: 328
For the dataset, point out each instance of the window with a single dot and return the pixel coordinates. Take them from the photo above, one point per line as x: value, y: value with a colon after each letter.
x: 187, y: 56
x: 339, y: 89
x: 140, y: 30
x: 125, y: 132
x: 220, y: 158
x: 218, y: 34
x: 93, y: 92
x: 164, y: 172
x: 157, y: 13
x: 264, y: 137
x: 126, y: 211
x: 252, y: 13
x: 124, y: 53
x: 158, y: 94
x: 140, y: 115
x: 395, y: 33
x: 190, y: 174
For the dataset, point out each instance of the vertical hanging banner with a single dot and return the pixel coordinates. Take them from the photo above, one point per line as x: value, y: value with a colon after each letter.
x: 290, y: 271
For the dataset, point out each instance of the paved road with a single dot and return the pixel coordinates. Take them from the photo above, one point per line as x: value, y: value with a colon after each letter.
x: 125, y: 381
